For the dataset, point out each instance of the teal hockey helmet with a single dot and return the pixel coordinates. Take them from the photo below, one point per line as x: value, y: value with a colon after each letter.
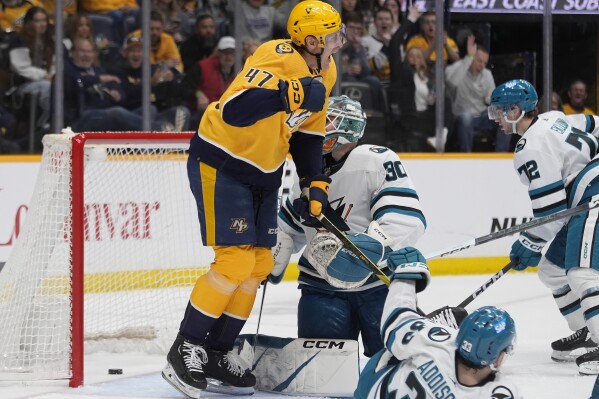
x: 345, y: 123
x: 484, y: 334
x: 514, y: 92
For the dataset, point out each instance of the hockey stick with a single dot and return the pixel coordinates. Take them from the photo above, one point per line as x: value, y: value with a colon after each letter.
x: 330, y: 226
x: 260, y: 312
x: 515, y: 229
x: 487, y: 284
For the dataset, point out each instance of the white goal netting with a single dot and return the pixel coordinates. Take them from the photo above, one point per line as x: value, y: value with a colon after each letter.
x: 142, y: 254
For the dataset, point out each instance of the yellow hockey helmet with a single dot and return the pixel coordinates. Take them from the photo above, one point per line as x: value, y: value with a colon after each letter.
x: 312, y: 18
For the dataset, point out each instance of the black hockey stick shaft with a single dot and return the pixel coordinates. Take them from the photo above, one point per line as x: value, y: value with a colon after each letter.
x: 260, y: 312
x: 516, y: 229
x: 487, y: 284
x: 330, y: 226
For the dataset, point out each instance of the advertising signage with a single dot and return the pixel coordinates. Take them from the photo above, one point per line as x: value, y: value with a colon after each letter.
x: 516, y: 6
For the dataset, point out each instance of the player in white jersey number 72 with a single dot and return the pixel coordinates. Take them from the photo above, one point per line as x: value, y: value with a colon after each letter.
x: 556, y: 158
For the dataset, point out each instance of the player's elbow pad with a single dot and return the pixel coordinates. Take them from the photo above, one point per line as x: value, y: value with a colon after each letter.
x: 305, y: 93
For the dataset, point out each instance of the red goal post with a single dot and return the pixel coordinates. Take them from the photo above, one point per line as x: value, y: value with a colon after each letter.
x: 107, y: 257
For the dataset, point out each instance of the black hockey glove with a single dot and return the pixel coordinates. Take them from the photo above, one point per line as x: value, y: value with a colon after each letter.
x: 313, y: 201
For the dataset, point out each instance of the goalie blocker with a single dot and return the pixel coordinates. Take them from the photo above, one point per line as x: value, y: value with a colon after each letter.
x: 301, y: 366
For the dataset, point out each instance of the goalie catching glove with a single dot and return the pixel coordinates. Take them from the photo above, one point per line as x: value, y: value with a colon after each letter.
x: 305, y: 93
x: 338, y: 265
x: 526, y: 251
x: 409, y: 264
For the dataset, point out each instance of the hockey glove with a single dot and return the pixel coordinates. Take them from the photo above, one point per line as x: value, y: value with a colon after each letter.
x: 319, y: 194
x: 526, y: 251
x: 305, y: 93
x: 301, y: 207
x: 409, y: 264
x: 337, y: 264
x: 313, y: 201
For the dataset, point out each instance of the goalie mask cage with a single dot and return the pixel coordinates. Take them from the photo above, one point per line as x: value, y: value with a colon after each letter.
x: 111, y: 234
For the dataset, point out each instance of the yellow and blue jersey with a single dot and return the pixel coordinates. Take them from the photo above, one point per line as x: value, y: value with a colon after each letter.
x: 247, y: 133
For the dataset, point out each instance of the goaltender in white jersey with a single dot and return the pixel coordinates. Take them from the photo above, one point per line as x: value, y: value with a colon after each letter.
x: 427, y: 360
x: 370, y: 184
x: 556, y: 159
x: 372, y: 197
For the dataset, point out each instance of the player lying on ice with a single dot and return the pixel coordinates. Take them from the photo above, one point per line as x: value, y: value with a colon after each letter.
x: 556, y: 158
x: 426, y: 359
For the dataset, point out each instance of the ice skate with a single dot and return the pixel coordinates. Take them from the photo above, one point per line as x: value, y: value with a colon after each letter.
x: 571, y: 347
x: 184, y: 368
x: 588, y: 363
x: 227, y: 373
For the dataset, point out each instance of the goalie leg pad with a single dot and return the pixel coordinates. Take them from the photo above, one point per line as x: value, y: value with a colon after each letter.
x: 307, y: 367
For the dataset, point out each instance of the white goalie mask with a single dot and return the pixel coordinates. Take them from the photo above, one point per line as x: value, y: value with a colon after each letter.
x: 345, y: 123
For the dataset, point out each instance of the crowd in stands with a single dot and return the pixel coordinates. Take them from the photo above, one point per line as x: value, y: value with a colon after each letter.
x: 390, y: 49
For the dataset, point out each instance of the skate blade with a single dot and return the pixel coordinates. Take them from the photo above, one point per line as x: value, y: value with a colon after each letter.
x: 561, y: 358
x: 217, y: 386
x: 569, y: 356
x: 589, y: 368
x: 171, y: 377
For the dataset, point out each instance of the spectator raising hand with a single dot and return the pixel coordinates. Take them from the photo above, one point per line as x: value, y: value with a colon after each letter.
x: 377, y: 44
x: 426, y: 40
x: 469, y: 86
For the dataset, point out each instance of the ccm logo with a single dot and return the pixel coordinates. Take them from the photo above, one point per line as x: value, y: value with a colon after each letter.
x: 532, y: 245
x: 323, y: 344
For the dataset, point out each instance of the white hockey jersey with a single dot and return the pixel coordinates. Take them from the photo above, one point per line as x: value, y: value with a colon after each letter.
x: 372, y: 184
x: 549, y: 158
x: 419, y: 358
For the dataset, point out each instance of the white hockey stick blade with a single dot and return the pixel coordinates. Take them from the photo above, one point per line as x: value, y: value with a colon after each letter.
x: 473, y: 242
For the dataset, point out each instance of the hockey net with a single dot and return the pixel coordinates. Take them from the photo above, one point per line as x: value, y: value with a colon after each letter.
x: 111, y: 233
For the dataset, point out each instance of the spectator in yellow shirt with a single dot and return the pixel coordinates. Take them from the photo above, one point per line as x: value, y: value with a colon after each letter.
x: 577, y: 96
x: 164, y: 49
x: 13, y: 13
x: 426, y: 40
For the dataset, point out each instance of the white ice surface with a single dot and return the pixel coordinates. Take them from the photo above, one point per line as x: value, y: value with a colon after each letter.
x: 530, y: 304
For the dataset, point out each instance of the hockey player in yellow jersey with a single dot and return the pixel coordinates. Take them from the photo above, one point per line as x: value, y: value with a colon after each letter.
x: 276, y: 105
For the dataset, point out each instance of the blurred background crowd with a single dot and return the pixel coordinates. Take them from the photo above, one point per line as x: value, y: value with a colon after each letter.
x: 197, y: 47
